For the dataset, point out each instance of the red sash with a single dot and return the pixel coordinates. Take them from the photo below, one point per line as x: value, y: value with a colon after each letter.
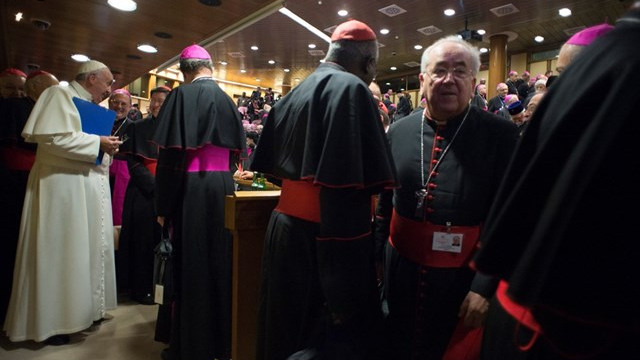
x: 465, y: 343
x: 15, y: 158
x: 300, y: 199
x: 413, y: 240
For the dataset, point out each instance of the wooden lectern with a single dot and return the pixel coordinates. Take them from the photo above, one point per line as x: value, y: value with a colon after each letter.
x: 247, y: 215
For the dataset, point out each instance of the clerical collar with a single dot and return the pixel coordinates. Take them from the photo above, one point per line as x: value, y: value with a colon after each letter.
x: 452, y: 121
x: 204, y: 77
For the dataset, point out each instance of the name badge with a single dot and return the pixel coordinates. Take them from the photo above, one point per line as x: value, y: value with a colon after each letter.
x: 449, y: 242
x: 159, y: 294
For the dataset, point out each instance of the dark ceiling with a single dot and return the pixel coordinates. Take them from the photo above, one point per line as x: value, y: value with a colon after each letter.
x: 228, y: 31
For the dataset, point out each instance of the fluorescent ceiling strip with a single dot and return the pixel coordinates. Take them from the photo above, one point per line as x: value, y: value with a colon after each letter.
x: 306, y: 25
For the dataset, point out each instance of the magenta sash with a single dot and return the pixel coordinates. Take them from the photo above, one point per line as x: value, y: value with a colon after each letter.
x: 208, y: 158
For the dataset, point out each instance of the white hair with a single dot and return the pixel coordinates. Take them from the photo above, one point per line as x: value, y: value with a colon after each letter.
x: 473, y: 52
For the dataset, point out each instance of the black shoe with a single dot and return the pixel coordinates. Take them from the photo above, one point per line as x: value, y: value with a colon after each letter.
x: 166, y: 354
x: 57, y: 340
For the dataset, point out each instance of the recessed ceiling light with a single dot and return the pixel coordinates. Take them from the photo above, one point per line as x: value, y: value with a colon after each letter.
x: 258, y: 80
x: 80, y: 57
x: 224, y: 63
x: 484, y: 50
x: 18, y: 17
x: 401, y: 89
x: 254, y: 48
x: 343, y: 13
x: 312, y: 46
x: 387, y: 83
x: 163, y: 35
x: 211, y: 2
x: 481, y: 32
x: 564, y: 12
x: 296, y: 79
x: 148, y: 48
x: 64, y: 83
x: 449, y: 12
x: 393, y: 68
x: 384, y: 31
x: 243, y: 71
x: 124, y: 5
x: 321, y: 60
x: 286, y: 70
x: 417, y: 47
x: 271, y: 62
x: 538, y: 39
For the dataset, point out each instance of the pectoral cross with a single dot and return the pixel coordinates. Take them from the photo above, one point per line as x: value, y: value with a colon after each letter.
x: 420, y: 196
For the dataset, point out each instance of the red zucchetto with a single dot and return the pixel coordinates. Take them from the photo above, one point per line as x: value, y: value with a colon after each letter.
x: 353, y: 30
x: 12, y: 71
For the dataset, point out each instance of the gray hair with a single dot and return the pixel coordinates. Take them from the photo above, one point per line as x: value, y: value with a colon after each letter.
x: 473, y: 52
x: 346, y: 50
x: 192, y: 65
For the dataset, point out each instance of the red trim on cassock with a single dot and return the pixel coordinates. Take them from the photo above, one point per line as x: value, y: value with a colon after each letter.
x: 522, y: 314
x: 300, y: 199
x: 18, y: 159
x: 414, y: 239
x: 151, y: 165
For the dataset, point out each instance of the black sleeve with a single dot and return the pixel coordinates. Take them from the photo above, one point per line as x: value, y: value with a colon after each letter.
x: 169, y: 180
x: 140, y: 175
x: 382, y: 223
x: 484, y: 284
x: 345, y: 251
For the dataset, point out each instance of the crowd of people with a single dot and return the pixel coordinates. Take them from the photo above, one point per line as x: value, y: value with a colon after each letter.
x: 466, y: 228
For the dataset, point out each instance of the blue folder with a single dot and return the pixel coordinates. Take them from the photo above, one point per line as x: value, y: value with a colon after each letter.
x: 95, y: 120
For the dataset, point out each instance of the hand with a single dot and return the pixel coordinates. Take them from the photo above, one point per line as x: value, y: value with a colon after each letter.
x: 246, y: 175
x: 160, y: 220
x: 474, y: 309
x: 110, y: 144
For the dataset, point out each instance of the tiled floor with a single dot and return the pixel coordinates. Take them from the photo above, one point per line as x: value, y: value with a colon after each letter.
x: 127, y: 334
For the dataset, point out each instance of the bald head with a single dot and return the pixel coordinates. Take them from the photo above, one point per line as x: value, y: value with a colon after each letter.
x: 568, y: 52
x: 375, y: 90
x: 38, y: 82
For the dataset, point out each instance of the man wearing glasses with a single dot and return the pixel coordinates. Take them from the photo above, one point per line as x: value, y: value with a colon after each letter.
x: 450, y: 159
x: 64, y: 276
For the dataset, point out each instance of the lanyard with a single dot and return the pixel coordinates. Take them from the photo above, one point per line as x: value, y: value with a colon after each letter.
x: 423, y: 192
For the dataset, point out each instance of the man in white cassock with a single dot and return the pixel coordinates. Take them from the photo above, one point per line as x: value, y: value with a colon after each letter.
x: 64, y: 276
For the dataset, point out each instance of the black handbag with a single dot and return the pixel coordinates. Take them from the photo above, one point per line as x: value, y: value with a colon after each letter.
x: 162, y: 268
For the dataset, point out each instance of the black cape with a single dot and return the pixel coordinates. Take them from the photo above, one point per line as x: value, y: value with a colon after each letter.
x: 187, y: 122
x: 316, y: 133
x: 562, y: 229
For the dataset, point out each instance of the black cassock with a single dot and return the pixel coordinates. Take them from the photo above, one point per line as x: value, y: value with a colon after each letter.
x: 140, y: 228
x: 326, y: 133
x: 562, y: 231
x: 193, y: 117
x: 424, y: 298
x: 17, y: 158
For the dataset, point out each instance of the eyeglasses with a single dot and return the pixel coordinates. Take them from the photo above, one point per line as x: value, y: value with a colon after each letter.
x: 439, y: 73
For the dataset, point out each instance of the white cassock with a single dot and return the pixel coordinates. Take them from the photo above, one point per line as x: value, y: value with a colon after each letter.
x: 64, y: 276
